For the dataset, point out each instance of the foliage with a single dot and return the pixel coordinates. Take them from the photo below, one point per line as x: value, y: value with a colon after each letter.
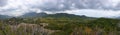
x: 62, y: 26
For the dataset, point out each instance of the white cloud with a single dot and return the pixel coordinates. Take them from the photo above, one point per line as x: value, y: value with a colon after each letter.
x: 94, y: 13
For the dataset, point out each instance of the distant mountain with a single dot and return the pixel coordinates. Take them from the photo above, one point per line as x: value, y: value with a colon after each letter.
x: 65, y: 15
x: 57, y: 15
x: 33, y: 14
x: 4, y: 17
x: 117, y: 17
x: 45, y: 15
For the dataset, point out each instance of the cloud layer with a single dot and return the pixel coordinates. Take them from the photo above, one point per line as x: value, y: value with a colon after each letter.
x: 92, y: 8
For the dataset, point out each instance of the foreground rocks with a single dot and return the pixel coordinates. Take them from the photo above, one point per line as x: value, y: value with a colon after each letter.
x: 30, y: 29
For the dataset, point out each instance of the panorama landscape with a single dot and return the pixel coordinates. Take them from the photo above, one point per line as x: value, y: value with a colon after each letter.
x: 59, y: 17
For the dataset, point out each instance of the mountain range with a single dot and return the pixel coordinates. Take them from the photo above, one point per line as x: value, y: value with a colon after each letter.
x: 4, y: 16
x: 43, y: 15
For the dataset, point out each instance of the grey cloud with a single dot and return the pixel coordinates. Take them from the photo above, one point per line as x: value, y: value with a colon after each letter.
x: 62, y: 5
x: 3, y: 2
x: 67, y: 4
x: 80, y: 4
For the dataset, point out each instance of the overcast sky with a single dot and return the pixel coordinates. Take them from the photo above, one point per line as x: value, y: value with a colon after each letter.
x: 92, y: 8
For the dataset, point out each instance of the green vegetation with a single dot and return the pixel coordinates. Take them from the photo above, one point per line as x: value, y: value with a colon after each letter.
x: 60, y: 26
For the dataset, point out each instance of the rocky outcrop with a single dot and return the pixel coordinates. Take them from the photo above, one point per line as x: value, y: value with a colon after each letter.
x: 31, y: 29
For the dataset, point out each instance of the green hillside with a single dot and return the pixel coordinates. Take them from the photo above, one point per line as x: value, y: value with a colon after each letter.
x: 57, y: 24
